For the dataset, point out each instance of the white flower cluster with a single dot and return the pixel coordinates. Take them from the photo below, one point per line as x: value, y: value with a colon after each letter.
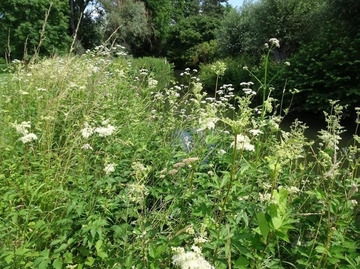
x: 102, y: 131
x: 22, y: 128
x: 190, y: 259
x: 109, y: 168
x: 152, y: 83
x: 243, y: 143
x: 207, y: 123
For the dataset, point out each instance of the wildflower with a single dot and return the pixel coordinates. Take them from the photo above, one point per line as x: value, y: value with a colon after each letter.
x: 255, y: 132
x: 109, y: 168
x: 190, y: 160
x: 179, y: 165
x: 353, y: 190
x: 152, y: 83
x: 87, y: 131
x: 200, y: 240
x: 243, y: 143
x: 264, y: 197
x: 190, y: 230
x: 86, y: 147
x: 190, y: 259
x: 221, y: 152
x: 22, y: 127
x: 207, y: 123
x: 274, y: 42
x: 287, y: 63
x: 246, y: 68
x: 137, y: 192
x: 105, y: 131
x: 173, y: 172
x: 28, y: 138
x: 218, y: 68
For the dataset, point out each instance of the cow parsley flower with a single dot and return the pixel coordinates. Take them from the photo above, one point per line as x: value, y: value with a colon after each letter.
x: 274, y: 42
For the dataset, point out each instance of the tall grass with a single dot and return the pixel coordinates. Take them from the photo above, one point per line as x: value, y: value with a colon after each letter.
x: 102, y: 169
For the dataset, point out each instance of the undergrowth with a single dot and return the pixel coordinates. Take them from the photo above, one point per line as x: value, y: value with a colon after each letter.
x: 101, y: 168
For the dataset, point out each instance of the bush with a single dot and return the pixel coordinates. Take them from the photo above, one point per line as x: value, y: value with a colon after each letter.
x: 234, y: 73
x: 157, y: 68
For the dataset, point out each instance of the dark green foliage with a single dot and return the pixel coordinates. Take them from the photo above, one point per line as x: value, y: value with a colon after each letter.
x: 21, y: 23
x: 159, y: 69
x: 234, y: 74
x: 323, y: 71
x: 189, y: 33
x: 204, y: 53
x: 159, y: 12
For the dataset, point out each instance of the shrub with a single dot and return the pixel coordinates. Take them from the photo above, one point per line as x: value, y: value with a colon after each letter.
x: 157, y: 68
x: 234, y: 73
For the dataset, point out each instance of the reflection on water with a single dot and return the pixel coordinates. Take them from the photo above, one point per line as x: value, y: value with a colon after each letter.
x: 316, y: 122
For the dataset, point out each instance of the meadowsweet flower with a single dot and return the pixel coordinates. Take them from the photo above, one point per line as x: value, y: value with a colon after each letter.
x: 200, y: 240
x: 28, y: 138
x: 137, y: 192
x: 255, y: 132
x: 264, y: 197
x: 22, y: 127
x: 243, y: 143
x: 190, y: 230
x: 86, y: 147
x: 190, y: 160
x: 190, y: 259
x: 207, y: 123
x: 109, y: 168
x: 105, y: 131
x: 87, y: 131
x: 173, y: 172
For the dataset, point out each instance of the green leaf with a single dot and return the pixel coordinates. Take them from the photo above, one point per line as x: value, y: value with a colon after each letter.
x: 263, y: 225
x: 89, y: 261
x: 58, y: 264
x: 241, y: 262
x: 277, y: 222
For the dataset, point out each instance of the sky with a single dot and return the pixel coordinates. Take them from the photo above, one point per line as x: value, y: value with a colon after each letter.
x: 235, y: 3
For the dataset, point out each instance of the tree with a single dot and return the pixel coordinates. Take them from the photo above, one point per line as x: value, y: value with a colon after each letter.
x: 159, y: 15
x: 189, y: 33
x: 290, y: 21
x: 21, y: 24
x: 213, y: 7
x: 127, y: 22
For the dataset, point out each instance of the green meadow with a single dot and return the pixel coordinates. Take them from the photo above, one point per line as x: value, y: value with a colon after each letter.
x: 107, y: 162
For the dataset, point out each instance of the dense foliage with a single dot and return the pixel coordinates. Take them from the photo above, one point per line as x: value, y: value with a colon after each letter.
x: 101, y: 167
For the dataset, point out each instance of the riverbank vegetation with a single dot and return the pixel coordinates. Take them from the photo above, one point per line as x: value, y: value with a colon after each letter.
x: 106, y: 161
x: 103, y: 168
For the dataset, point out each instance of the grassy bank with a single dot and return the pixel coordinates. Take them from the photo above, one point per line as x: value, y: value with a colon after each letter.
x: 101, y: 168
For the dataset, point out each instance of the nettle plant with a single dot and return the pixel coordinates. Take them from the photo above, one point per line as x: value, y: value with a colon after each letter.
x: 102, y: 168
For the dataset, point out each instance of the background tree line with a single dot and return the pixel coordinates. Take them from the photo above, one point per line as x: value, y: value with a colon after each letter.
x: 319, y: 38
